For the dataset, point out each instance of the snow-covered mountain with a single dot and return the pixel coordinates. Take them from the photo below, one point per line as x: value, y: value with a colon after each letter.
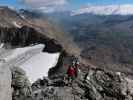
x: 125, y: 9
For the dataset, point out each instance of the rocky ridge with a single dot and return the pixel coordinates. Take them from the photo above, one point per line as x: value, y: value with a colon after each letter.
x: 99, y: 85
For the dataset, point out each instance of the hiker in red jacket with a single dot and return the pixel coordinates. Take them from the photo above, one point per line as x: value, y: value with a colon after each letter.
x: 71, y: 72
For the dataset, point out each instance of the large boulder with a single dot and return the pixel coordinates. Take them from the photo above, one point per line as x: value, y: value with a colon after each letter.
x: 20, y: 84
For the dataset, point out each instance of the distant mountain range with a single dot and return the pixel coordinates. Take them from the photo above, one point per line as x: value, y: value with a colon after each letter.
x: 125, y: 9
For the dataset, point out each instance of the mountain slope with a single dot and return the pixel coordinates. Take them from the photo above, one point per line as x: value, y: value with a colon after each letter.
x: 105, y: 40
x: 10, y: 18
x: 41, y: 23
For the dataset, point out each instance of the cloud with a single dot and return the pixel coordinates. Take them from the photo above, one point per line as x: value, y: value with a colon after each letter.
x: 45, y: 5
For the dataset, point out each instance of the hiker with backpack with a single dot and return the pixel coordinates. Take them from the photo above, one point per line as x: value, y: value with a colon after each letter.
x: 71, y: 74
x: 73, y: 71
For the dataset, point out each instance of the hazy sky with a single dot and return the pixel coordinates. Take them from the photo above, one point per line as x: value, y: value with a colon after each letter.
x: 57, y: 3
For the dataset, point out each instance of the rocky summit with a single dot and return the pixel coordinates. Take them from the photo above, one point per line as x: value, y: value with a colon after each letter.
x: 98, y: 85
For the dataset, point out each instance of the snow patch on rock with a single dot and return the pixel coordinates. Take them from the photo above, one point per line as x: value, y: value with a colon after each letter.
x: 22, y: 16
x: 16, y: 24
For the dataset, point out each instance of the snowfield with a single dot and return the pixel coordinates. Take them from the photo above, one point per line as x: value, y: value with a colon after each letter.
x: 35, y: 62
x: 38, y: 66
x: 19, y: 54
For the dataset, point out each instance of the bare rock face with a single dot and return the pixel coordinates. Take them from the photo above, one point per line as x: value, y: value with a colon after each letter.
x: 5, y: 83
x: 25, y: 36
